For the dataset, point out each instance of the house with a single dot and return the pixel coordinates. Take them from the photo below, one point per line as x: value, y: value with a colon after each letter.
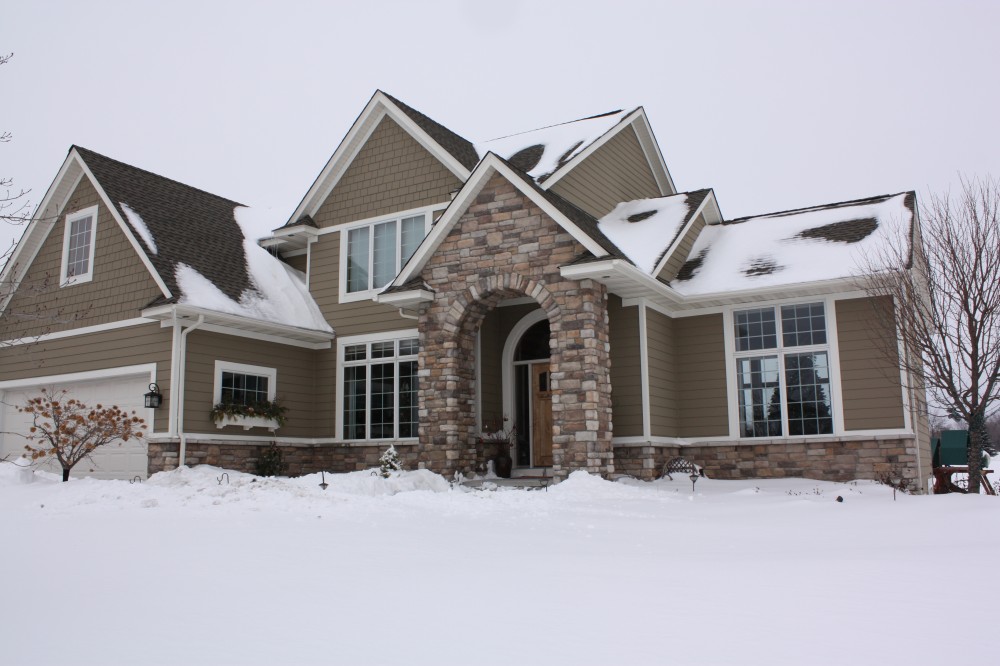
x: 426, y: 286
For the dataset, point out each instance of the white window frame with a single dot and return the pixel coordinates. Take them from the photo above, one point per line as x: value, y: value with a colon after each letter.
x: 243, y: 368
x: 344, y: 230
x: 830, y: 348
x: 342, y: 344
x: 66, y: 280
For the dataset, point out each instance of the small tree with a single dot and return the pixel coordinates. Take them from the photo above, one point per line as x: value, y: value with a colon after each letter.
x: 69, y: 431
x: 389, y: 462
x: 943, y: 289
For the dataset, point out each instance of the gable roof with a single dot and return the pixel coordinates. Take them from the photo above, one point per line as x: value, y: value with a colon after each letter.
x: 454, y: 152
x: 819, y: 243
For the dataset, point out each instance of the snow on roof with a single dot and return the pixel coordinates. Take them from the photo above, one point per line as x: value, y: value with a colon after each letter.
x: 541, y: 152
x: 278, y: 292
x: 139, y: 226
x: 806, y: 245
x: 644, y: 229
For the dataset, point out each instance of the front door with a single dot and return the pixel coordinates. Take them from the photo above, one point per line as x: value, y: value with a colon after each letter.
x: 541, y: 415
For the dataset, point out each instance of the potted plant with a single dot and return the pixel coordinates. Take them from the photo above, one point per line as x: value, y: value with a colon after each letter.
x: 500, y: 435
x: 268, y: 414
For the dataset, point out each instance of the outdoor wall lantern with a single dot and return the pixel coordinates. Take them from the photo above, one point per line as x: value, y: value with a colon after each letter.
x: 153, y: 398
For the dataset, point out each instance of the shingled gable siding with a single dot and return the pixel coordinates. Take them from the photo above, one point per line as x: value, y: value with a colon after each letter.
x: 870, y: 382
x: 135, y: 345
x: 392, y: 172
x: 626, y: 371
x: 296, y: 369
x: 663, y: 382
x: 120, y: 289
x: 680, y: 255
x: 617, y: 171
x: 702, y: 406
x: 494, y: 332
x: 505, y: 247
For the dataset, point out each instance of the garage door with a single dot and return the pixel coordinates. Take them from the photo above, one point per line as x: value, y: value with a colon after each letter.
x: 120, y: 460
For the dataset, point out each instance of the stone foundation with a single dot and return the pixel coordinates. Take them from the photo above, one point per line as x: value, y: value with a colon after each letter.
x: 838, y: 460
x: 299, y: 459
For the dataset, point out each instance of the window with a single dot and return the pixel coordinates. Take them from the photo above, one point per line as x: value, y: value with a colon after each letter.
x: 783, y: 371
x: 78, y: 247
x: 380, y: 389
x: 375, y: 253
x: 241, y: 384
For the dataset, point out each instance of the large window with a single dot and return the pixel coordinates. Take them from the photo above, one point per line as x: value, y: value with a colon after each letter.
x: 375, y: 253
x: 783, y: 371
x: 78, y: 246
x: 380, y: 389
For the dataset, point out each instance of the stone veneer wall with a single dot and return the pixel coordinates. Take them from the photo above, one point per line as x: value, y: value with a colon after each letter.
x: 506, y: 247
x: 299, y: 458
x: 841, y: 460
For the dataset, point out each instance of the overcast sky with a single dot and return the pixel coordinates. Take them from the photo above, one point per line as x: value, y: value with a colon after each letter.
x: 776, y: 105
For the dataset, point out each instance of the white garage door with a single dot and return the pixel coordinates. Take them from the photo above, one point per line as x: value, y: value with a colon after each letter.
x: 118, y: 460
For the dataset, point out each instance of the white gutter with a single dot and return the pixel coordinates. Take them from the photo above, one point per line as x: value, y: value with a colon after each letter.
x: 179, y: 392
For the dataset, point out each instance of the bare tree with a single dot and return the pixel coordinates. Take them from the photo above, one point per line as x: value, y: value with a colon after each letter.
x: 944, y: 280
x: 14, y: 205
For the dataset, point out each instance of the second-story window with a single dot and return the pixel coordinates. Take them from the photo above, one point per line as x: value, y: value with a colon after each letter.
x: 376, y: 252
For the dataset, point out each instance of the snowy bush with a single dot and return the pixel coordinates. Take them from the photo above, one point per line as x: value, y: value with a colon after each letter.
x: 389, y: 462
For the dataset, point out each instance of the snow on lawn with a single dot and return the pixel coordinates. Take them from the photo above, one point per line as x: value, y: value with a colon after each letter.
x: 185, y: 569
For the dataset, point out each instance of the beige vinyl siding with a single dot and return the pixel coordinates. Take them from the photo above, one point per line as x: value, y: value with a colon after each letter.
x: 626, y: 369
x: 617, y: 171
x: 121, y: 286
x: 295, y: 388
x: 702, y: 406
x: 355, y: 318
x: 495, y: 330
x: 869, y: 367
x: 135, y: 345
x: 680, y: 255
x: 299, y: 262
x: 660, y: 350
x: 392, y: 172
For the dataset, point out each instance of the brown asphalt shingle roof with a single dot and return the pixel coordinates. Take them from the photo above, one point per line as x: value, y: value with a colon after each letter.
x: 460, y: 148
x: 188, y: 225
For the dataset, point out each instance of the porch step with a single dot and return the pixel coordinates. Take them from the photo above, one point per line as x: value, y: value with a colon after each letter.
x: 527, y: 482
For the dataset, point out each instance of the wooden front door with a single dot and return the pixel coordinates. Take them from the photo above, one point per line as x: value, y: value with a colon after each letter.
x: 541, y: 415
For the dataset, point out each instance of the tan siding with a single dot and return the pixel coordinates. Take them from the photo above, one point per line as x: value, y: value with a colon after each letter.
x: 701, y: 375
x: 299, y: 262
x: 660, y: 348
x: 296, y: 369
x: 870, y: 383
x: 680, y: 255
x: 136, y: 345
x: 494, y: 332
x: 392, y: 172
x: 120, y: 288
x: 347, y: 319
x: 626, y: 373
x: 617, y: 171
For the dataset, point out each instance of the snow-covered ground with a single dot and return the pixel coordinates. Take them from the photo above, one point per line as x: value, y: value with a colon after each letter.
x: 183, y: 569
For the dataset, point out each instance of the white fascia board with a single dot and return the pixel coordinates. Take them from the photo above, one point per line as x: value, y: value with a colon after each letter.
x: 42, y: 221
x: 487, y: 167
x: 105, y: 373
x: 404, y: 299
x: 126, y: 229
x: 702, y: 208
x: 590, y: 150
x: 596, y: 270
x: 377, y: 108
x: 651, y: 147
x: 253, y: 328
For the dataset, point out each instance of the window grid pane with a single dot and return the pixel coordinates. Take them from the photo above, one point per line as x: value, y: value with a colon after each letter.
x: 383, y: 407
x: 409, y: 347
x: 759, y: 396
x: 243, y: 389
x: 357, y: 260
x: 807, y: 377
x: 78, y: 254
x: 755, y: 329
x: 803, y: 324
x: 354, y: 402
x: 412, y: 234
x: 383, y: 349
x: 355, y: 352
x: 408, y: 399
x: 384, y: 260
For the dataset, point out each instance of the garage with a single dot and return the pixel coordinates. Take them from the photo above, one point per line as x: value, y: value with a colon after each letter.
x: 122, y: 460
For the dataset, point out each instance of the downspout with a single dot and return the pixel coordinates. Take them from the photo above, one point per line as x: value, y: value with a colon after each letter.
x: 180, y: 389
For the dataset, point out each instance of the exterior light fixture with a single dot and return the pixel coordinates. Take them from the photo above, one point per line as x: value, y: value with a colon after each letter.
x: 323, y: 484
x: 153, y: 398
x: 694, y: 478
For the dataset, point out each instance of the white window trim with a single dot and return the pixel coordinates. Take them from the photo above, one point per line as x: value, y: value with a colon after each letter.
x: 344, y: 230
x: 243, y: 368
x: 67, y: 280
x: 831, y: 348
x: 343, y: 342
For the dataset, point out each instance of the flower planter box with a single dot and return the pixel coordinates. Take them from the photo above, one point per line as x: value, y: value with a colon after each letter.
x: 247, y: 422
